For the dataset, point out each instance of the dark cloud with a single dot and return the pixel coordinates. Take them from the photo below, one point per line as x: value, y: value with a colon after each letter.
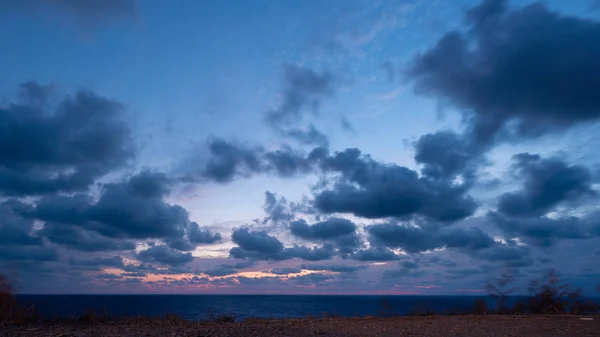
x: 202, y: 235
x: 256, y: 241
x: 371, y: 189
x: 195, y: 236
x: 164, y: 255
x: 331, y: 228
x: 19, y: 241
x: 542, y: 231
x: 124, y: 212
x: 27, y: 253
x: 287, y: 163
x: 402, y: 272
x: 82, y: 240
x: 445, y: 154
x: 228, y: 160
x: 515, y: 73
x: 339, y: 231
x: 86, y: 9
x: 416, y: 239
x: 277, y: 208
x: 304, y: 89
x: 308, y: 136
x: 310, y: 279
x: 511, y: 255
x: 132, y: 209
x: 15, y: 230
x: 546, y: 184
x: 337, y: 268
x: 98, y: 262
x: 45, y: 151
x: 259, y: 245
x: 285, y: 271
x: 375, y: 254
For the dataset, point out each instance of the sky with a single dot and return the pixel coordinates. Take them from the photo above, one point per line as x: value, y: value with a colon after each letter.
x: 298, y: 147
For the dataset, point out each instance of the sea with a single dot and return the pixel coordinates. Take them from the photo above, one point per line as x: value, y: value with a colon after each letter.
x: 201, y: 307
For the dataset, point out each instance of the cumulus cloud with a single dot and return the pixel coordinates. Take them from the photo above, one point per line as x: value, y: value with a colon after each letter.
x: 445, y: 155
x: 44, y: 151
x: 230, y: 160
x: 259, y: 245
x: 132, y: 209
x: 337, y: 268
x: 338, y: 231
x: 304, y: 90
x: 371, y: 189
x: 98, y: 262
x: 164, y: 255
x: 546, y: 184
x: 375, y: 253
x: 544, y: 231
x: 416, y: 239
x: 515, y: 73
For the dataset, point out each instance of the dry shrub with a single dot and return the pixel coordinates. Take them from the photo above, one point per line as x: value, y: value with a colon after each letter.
x: 10, y: 310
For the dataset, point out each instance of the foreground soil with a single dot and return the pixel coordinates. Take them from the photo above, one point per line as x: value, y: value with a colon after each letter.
x: 401, y: 326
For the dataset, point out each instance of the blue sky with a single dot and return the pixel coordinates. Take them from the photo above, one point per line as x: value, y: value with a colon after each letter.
x: 196, y: 73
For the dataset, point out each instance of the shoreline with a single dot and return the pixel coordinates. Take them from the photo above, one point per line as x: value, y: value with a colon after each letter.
x: 456, y: 325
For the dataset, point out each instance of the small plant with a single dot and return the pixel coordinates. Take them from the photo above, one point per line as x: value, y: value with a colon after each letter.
x: 480, y: 307
x: 385, y: 309
x: 222, y: 318
x: 422, y: 311
x: 10, y: 310
x: 501, y: 289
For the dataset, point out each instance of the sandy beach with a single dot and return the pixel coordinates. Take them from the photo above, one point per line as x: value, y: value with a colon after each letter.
x: 400, y: 326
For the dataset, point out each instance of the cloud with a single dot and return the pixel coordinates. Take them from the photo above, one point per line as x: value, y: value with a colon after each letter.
x: 164, y: 255
x: 229, y: 160
x: 19, y: 241
x: 131, y: 209
x: 259, y: 245
x: 285, y: 271
x: 14, y: 230
x: 331, y: 228
x: 226, y: 269
x: 371, y: 189
x: 277, y: 209
x: 543, y: 231
x: 547, y: 183
x: 336, y: 268
x: 375, y: 254
x: 340, y: 231
x: 45, y: 151
x: 416, y: 239
x: 98, y: 262
x: 445, y: 155
x: 82, y: 240
x: 304, y: 89
x: 27, y: 253
x: 308, y: 136
x: 515, y: 73
x: 85, y: 9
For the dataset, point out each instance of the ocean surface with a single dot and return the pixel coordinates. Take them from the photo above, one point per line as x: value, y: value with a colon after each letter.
x: 199, y: 307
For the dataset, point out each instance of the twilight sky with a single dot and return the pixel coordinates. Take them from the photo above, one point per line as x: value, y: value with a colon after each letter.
x: 342, y: 146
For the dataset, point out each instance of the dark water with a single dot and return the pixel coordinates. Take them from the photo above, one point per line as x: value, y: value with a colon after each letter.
x: 199, y: 307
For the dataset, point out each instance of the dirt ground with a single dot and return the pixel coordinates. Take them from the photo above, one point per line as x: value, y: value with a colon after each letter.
x: 402, y: 326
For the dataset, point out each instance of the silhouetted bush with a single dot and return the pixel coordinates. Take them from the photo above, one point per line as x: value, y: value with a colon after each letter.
x: 10, y: 310
x: 547, y: 296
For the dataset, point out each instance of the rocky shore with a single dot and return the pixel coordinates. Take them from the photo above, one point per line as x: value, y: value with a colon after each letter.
x: 400, y: 326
